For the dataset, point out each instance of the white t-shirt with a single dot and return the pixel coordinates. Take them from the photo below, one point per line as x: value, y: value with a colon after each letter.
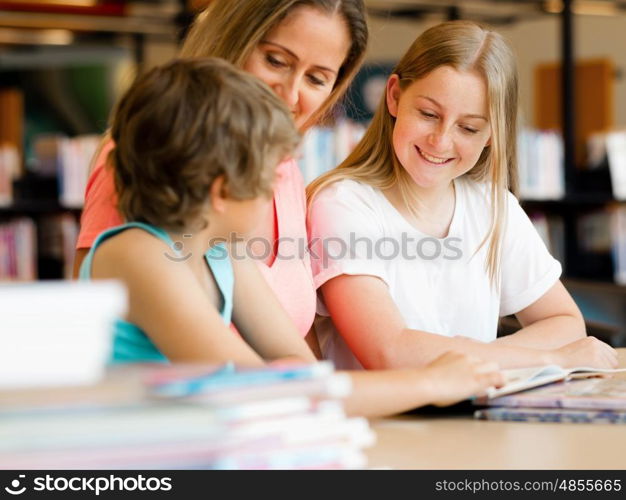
x: 439, y: 285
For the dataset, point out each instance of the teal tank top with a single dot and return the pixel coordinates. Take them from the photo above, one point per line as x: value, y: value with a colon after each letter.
x: 130, y: 343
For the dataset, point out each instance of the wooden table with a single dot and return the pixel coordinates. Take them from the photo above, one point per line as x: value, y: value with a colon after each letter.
x: 459, y: 442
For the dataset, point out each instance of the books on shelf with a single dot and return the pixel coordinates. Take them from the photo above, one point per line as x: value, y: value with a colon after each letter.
x: 69, y: 159
x: 540, y: 162
x: 187, y: 416
x: 12, y: 120
x: 323, y: 148
x: 594, y: 231
x: 57, y: 240
x: 18, y: 250
x: 618, y: 231
x: 616, y: 156
x: 57, y: 333
x: 520, y: 379
x: 551, y: 229
x: 9, y: 170
x: 30, y: 250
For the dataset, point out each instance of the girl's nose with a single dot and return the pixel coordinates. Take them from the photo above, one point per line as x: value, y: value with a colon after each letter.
x: 440, y: 140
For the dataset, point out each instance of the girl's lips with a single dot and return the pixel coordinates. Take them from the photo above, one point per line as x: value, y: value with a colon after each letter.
x: 435, y: 160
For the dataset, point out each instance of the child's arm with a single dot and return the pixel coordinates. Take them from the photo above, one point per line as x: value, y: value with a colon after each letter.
x: 168, y: 303
x: 552, y: 321
x: 377, y: 335
x: 313, y: 343
x: 450, y: 378
x: 261, y: 319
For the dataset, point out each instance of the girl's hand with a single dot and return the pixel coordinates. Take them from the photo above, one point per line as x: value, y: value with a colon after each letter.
x: 456, y: 376
x: 588, y: 351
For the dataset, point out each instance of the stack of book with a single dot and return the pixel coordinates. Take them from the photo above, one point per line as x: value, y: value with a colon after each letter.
x: 57, y: 333
x: 169, y: 416
x: 555, y: 394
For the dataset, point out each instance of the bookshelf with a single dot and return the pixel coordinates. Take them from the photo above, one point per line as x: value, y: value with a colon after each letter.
x: 589, y: 274
x: 64, y: 65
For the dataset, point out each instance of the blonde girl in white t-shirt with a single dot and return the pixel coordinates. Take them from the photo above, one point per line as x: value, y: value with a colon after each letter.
x: 418, y: 245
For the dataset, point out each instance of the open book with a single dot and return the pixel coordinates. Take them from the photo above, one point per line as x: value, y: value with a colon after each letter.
x: 526, y: 378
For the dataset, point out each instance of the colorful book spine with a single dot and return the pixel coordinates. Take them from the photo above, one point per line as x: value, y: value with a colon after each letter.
x: 552, y: 415
x: 228, y: 377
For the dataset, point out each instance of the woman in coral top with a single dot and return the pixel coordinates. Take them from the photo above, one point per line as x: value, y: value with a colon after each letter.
x: 307, y: 51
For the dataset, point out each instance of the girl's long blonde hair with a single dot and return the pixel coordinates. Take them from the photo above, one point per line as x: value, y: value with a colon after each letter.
x: 465, y: 46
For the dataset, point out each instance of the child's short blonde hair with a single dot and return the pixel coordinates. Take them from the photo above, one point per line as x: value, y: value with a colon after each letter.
x: 185, y: 123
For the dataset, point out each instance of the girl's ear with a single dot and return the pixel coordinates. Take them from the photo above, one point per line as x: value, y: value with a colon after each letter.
x: 218, y: 193
x: 393, y: 92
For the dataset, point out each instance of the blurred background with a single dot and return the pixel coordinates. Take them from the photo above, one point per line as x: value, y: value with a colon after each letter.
x: 64, y: 62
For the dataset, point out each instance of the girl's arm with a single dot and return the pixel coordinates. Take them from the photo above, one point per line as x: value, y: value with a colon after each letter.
x: 260, y: 318
x: 377, y: 335
x: 552, y: 321
x: 450, y: 378
x: 168, y: 303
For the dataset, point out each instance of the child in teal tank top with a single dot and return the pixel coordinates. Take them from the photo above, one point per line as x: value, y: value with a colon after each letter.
x: 197, y: 143
x: 196, y: 147
x: 130, y: 343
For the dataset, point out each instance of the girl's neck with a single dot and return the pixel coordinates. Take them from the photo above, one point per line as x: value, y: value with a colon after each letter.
x: 431, y: 200
x: 429, y: 210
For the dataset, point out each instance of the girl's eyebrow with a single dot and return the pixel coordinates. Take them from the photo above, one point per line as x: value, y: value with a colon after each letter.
x: 480, y: 117
x: 323, y: 68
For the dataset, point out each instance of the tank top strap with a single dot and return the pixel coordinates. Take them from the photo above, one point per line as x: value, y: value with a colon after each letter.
x: 85, y: 268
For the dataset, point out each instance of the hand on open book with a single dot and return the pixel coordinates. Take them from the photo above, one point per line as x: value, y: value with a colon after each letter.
x: 588, y: 351
x: 456, y: 376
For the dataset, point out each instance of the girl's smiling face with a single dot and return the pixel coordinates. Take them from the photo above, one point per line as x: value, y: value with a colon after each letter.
x: 441, y: 125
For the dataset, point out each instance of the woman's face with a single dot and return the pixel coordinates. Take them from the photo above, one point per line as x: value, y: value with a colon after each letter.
x: 300, y: 59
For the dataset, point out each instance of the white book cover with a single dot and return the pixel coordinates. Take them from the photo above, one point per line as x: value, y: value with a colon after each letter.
x: 57, y: 333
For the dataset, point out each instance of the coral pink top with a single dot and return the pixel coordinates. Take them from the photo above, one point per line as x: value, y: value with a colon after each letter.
x: 289, y: 275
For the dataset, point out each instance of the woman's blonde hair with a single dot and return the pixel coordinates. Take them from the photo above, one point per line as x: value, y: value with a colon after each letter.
x: 465, y: 46
x: 231, y: 29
